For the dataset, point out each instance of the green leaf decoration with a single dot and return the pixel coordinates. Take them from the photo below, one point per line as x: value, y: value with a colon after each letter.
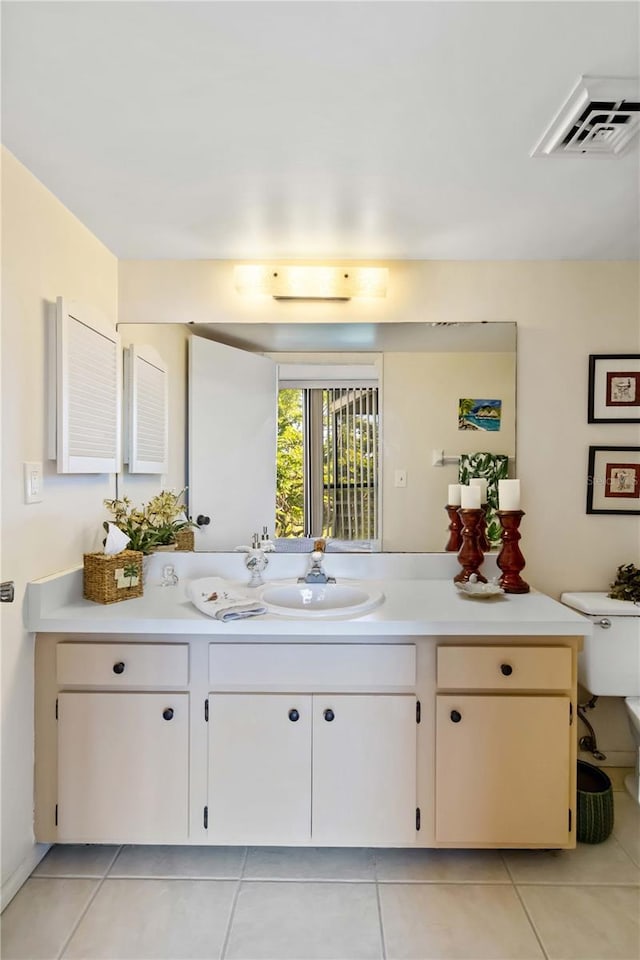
x: 492, y: 467
x: 626, y: 586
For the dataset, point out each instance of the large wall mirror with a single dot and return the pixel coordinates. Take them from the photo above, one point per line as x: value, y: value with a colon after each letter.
x: 362, y: 406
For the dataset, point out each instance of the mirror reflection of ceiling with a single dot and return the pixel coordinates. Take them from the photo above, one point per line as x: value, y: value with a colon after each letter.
x: 363, y: 337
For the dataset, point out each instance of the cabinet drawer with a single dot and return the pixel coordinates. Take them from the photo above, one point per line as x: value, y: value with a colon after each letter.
x: 255, y: 666
x: 504, y: 668
x: 123, y: 664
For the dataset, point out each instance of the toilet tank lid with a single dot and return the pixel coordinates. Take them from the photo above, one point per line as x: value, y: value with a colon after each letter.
x: 600, y: 605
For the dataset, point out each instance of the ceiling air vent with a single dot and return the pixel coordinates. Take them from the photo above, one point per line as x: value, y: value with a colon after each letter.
x: 600, y: 117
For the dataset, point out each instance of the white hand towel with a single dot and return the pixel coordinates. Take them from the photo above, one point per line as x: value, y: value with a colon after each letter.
x: 214, y: 597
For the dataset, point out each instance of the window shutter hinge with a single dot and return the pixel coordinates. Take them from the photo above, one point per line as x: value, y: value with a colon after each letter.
x: 206, y: 710
x: 56, y: 708
x: 56, y: 815
x: 418, y: 711
x: 417, y: 818
x: 570, y: 714
x: 206, y: 818
x: 570, y: 819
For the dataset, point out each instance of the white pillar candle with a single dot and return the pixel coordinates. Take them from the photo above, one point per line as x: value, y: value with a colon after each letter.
x: 482, y: 483
x: 454, y: 495
x: 470, y: 498
x: 508, y: 494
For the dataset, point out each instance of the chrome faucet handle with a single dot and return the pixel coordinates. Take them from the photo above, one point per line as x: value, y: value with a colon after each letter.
x: 316, y: 573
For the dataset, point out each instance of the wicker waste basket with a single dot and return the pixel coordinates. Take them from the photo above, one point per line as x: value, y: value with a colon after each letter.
x: 111, y: 578
x: 595, y: 804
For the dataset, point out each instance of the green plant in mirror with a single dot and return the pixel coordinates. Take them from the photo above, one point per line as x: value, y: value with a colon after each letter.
x: 151, y: 525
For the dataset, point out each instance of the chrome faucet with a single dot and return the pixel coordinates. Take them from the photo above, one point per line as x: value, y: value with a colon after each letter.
x: 316, y: 572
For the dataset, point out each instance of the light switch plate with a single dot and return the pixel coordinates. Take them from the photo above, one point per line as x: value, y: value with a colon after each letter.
x: 32, y: 481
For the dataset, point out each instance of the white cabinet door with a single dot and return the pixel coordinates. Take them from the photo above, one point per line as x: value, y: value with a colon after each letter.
x: 502, y: 770
x: 364, y: 769
x: 123, y: 767
x: 259, y: 768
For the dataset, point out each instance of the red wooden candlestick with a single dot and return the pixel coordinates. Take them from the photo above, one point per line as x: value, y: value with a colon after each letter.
x: 483, y: 543
x: 510, y: 559
x: 455, y: 526
x: 470, y: 557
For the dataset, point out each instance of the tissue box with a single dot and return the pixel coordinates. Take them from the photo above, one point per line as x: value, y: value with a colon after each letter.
x: 108, y: 579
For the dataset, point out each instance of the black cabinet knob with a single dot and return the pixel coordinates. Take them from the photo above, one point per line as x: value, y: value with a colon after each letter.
x: 455, y: 716
x: 118, y: 667
x: 506, y: 669
x: 294, y: 715
x: 328, y: 715
x: 202, y: 520
x: 168, y: 713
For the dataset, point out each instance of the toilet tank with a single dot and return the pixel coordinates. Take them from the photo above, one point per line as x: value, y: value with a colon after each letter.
x: 609, y: 663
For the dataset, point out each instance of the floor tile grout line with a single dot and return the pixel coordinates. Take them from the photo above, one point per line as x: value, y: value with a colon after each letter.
x: 531, y: 922
x: 524, y: 907
x: 81, y: 917
x: 506, y: 867
x: 381, y: 923
x: 232, y: 911
x: 113, y: 860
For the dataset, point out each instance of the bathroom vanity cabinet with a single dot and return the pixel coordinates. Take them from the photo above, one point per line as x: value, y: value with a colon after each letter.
x: 505, y: 745
x: 463, y: 741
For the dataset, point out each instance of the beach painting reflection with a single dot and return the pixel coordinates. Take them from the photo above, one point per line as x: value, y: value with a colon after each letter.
x: 479, y: 414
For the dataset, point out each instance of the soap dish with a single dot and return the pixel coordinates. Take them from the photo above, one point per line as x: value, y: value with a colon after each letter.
x: 480, y: 591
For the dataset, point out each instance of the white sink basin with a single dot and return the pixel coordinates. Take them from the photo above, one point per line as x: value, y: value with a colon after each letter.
x: 350, y: 598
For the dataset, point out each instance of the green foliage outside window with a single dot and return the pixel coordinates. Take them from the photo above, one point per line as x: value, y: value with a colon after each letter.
x: 290, y: 466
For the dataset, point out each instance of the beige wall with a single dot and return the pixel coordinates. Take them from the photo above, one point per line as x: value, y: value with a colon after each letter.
x: 420, y: 413
x: 564, y: 312
x: 47, y: 253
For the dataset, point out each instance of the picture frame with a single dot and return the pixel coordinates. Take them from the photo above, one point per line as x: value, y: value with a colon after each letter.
x: 614, y: 388
x: 613, y: 481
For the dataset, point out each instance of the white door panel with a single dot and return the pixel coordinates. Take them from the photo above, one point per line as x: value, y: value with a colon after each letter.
x: 123, y: 762
x: 259, y: 768
x: 364, y: 769
x: 233, y: 399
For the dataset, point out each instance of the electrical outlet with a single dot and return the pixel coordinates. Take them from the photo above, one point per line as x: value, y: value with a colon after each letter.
x: 400, y: 478
x: 32, y: 472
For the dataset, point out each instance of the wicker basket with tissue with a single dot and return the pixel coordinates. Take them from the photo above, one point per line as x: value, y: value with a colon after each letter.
x: 109, y: 578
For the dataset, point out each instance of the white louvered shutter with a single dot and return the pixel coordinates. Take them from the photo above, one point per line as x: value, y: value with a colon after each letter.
x: 88, y: 388
x: 147, y: 422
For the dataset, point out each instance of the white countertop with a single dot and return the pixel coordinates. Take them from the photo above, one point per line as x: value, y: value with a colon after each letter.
x: 412, y: 607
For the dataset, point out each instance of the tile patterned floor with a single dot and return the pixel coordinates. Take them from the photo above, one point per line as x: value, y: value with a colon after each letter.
x: 204, y: 903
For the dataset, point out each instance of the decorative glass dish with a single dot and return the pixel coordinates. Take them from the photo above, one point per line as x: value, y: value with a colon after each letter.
x: 480, y: 591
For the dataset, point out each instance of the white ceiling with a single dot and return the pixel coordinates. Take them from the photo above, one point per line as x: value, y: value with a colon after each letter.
x: 338, y: 130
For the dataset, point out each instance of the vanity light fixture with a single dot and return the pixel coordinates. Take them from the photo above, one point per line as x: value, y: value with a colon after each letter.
x: 295, y: 282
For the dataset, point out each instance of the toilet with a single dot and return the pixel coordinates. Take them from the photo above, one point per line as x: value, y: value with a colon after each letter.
x: 609, y: 664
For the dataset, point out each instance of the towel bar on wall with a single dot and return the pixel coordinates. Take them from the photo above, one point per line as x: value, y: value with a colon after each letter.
x: 439, y: 459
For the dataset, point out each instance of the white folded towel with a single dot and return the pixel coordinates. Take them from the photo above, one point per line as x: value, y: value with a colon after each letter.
x: 213, y: 597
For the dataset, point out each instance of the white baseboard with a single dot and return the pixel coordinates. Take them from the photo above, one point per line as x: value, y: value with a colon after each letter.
x: 615, y: 758
x: 11, y: 886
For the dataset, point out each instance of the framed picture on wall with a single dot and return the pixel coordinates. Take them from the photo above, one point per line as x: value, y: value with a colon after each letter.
x: 613, y: 483
x: 614, y: 388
